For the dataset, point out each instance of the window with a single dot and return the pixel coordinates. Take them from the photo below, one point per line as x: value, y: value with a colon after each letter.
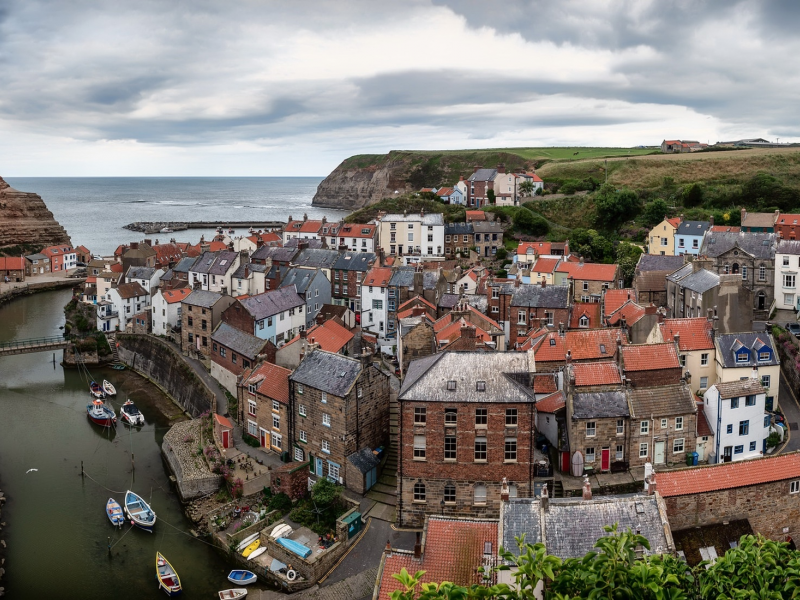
x: 480, y: 386
x: 678, y: 423
x: 251, y: 407
x: 298, y: 454
x: 788, y: 281
x: 682, y: 360
x: 419, y: 492
x: 620, y: 426
x: 324, y: 397
x: 480, y: 494
x: 589, y: 455
x: 644, y: 427
x: 419, y: 447
x: 481, y: 417
x: 664, y: 424
x: 583, y: 321
x: 521, y: 317
x: 480, y: 449
x: 326, y: 419
x: 549, y: 317
x: 729, y: 428
x: 420, y: 415
x: 299, y: 388
x: 450, y: 416
x: 585, y: 286
x: 277, y: 440
x: 750, y: 401
x: 252, y: 428
x: 794, y: 487
x: 359, y: 391
x: 738, y: 449
x: 744, y: 272
x: 744, y: 427
x: 762, y: 273
x: 510, y: 450
x: 703, y: 383
x: 451, y: 385
x: 450, y: 447
x: 301, y: 410
x: 326, y: 446
x: 303, y: 436
x: 752, y: 446
x: 449, y: 494
x: 788, y: 299
x: 643, y: 450
x: 377, y: 305
x: 333, y: 471
x: 511, y: 417
x: 704, y: 359
x: 734, y: 403
x: 764, y: 356
x: 765, y: 381
x: 766, y: 420
x: 276, y: 422
x: 591, y: 429
x: 677, y: 446
x: 620, y: 454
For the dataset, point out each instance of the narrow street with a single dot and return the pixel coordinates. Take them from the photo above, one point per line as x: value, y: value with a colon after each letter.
x: 791, y: 410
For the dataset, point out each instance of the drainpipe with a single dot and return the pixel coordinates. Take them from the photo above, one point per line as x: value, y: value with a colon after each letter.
x: 719, y: 422
x: 530, y: 450
x: 400, y: 462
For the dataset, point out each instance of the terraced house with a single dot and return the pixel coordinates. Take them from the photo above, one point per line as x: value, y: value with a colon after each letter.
x: 263, y: 395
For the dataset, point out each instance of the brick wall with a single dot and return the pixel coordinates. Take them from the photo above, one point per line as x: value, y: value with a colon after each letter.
x: 605, y: 437
x: 236, y: 316
x: 418, y: 342
x: 532, y: 316
x: 291, y: 479
x: 367, y: 412
x: 264, y: 419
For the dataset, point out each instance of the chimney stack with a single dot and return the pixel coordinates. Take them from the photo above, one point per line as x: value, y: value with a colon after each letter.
x: 134, y: 245
x: 568, y: 357
x: 501, y: 168
x: 561, y: 328
x: 303, y: 334
x: 711, y: 221
x: 324, y: 220
x: 544, y: 282
x: 587, y: 488
x: 305, y: 217
x: 320, y: 318
x: 504, y: 490
x: 651, y: 484
x: 743, y: 215
x: 518, y: 280
x: 580, y: 261
x: 417, y: 547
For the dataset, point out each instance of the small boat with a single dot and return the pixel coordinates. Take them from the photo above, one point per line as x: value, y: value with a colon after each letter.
x: 118, y: 367
x: 131, y: 414
x: 139, y: 511
x: 281, y: 530
x: 246, y: 542
x: 167, y: 230
x: 231, y: 230
x: 296, y: 547
x: 168, y: 579
x: 109, y: 389
x: 220, y: 230
x: 258, y: 552
x: 100, y: 414
x: 232, y: 593
x: 114, y: 512
x: 242, y: 577
x: 251, y: 548
x: 96, y: 390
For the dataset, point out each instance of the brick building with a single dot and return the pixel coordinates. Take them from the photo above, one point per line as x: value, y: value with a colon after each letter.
x: 340, y: 405
x: 201, y: 312
x: 466, y: 423
x: 646, y: 365
x: 552, y: 348
x: 537, y: 305
x: 348, y: 272
x: 588, y: 280
x: 264, y: 406
x: 457, y: 239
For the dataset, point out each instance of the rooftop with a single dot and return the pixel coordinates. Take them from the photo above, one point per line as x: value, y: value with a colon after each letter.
x: 599, y: 405
x: 758, y: 245
x: 172, y: 296
x: 270, y: 380
x: 536, y: 296
x: 552, y: 403
x: 693, y: 228
x: 271, y: 303
x: 605, y: 372
x: 329, y: 372
x: 240, y: 342
x: 650, y: 357
x: 424, y: 219
x: 693, y: 334
x: 582, y: 344
x: 739, y: 388
x: 589, y: 271
x: 753, y: 341
x: 663, y: 400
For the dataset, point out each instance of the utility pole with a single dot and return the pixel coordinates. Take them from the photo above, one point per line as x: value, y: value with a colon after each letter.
x: 606, y: 161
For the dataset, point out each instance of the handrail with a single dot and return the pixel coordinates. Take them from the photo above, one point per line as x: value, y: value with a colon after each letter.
x: 33, y: 342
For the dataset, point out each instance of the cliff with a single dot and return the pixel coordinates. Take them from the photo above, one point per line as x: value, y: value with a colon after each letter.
x: 367, y: 178
x: 25, y: 220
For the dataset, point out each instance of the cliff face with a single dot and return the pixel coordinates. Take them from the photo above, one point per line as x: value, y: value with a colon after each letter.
x: 24, y: 219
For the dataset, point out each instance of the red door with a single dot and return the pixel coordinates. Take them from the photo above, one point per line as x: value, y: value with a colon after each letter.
x: 263, y: 438
x: 565, y: 463
x: 226, y: 438
x: 605, y: 459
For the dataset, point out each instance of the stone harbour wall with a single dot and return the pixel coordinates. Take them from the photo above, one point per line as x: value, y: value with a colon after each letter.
x: 179, y: 449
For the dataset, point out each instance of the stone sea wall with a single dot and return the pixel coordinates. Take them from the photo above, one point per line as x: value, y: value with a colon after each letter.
x: 161, y: 364
x: 192, y: 475
x: 32, y: 288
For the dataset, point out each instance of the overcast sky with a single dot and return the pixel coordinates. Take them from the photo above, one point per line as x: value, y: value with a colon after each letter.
x: 206, y: 87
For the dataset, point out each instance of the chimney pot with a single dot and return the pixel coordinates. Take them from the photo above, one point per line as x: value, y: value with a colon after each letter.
x: 544, y: 282
x: 544, y: 498
x: 504, y: 491
x: 587, y: 488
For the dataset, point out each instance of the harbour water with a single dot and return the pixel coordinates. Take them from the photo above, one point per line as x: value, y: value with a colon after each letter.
x: 57, y: 533
x: 94, y: 209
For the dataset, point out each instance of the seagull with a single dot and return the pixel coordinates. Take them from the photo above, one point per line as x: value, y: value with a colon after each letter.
x: 29, y: 470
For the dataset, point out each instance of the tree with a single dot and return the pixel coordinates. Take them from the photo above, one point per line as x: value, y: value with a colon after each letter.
x: 627, y: 258
x: 526, y: 222
x: 502, y: 253
x: 614, y: 207
x: 325, y: 492
x: 654, y: 212
x: 693, y: 195
x: 491, y: 196
x: 526, y: 188
x: 589, y: 244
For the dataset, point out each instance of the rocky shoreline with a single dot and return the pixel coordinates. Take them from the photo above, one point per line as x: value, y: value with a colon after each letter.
x: 152, y: 227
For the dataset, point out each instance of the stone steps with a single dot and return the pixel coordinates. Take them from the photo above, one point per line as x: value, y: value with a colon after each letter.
x: 383, y: 488
x: 382, y: 498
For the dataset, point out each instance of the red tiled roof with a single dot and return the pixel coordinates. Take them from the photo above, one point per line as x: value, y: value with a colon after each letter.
x: 551, y: 403
x: 725, y: 228
x: 330, y: 336
x: 378, y: 276
x: 115, y: 267
x: 51, y: 251
x: 268, y: 238
x: 650, y: 357
x: 224, y: 421
x: 421, y: 299
x: 453, y: 552
x: 409, y: 312
x: 792, y: 218
x: 166, y: 253
x: 674, y: 221
x: 589, y: 271
x: 583, y: 344
x: 356, y: 231
x: 12, y: 263
x: 446, y: 191
x: 274, y: 381
x: 703, y: 428
x: 173, y: 296
x: 311, y: 227
x: 605, y: 372
x: 592, y: 312
x: 693, y: 334
x: 630, y: 310
x: 537, y: 247
x: 545, y: 265
x: 614, y: 299
x: 729, y: 475
x: 544, y: 383
x: 453, y: 331
x: 475, y: 215
x: 88, y: 279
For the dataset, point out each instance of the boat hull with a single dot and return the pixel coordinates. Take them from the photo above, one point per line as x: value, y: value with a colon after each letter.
x: 167, y: 577
x: 232, y: 593
x: 109, y: 389
x: 130, y: 417
x: 242, y: 577
x: 139, y: 512
x: 101, y: 417
x: 114, y: 512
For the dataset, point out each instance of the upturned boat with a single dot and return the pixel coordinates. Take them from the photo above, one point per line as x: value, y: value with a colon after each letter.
x: 109, y: 389
x: 100, y: 414
x: 139, y: 511
x: 168, y: 579
x: 114, y: 512
x: 130, y: 414
x: 96, y: 390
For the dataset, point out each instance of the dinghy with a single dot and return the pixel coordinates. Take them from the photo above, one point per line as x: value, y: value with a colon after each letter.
x: 118, y: 367
x: 251, y: 548
x: 96, y: 390
x: 130, y: 414
x: 109, y: 389
x: 242, y: 577
x: 246, y: 542
x: 281, y: 530
x: 114, y: 512
x: 100, y: 414
x: 168, y: 579
x: 139, y: 511
x: 258, y: 552
x: 296, y: 547
x: 232, y: 593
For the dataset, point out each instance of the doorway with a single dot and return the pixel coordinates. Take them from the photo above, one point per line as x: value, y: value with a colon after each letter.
x: 727, y: 454
x: 605, y: 459
x: 658, y: 453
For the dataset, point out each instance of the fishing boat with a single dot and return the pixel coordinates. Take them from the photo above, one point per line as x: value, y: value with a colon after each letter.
x: 96, y: 390
x: 232, y: 593
x: 231, y: 230
x: 242, y: 577
x: 296, y: 547
x: 220, y: 230
x: 168, y: 579
x: 258, y: 552
x: 100, y: 414
x: 118, y: 367
x: 130, y: 414
x: 251, y: 548
x: 114, y: 512
x: 139, y: 511
x: 109, y: 389
x: 246, y: 542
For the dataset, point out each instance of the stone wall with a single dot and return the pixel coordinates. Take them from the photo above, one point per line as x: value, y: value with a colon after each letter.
x: 179, y: 449
x: 158, y: 362
x: 291, y: 479
x: 32, y: 288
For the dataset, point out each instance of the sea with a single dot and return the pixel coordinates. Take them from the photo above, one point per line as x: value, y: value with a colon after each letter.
x: 94, y: 210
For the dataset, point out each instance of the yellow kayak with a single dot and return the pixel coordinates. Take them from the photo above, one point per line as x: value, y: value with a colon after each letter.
x: 251, y: 548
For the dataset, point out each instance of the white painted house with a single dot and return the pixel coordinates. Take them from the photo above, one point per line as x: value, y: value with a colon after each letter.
x: 147, y: 277
x: 375, y: 303
x: 166, y: 309
x: 735, y: 413
x: 418, y: 236
x: 128, y: 299
x: 787, y: 267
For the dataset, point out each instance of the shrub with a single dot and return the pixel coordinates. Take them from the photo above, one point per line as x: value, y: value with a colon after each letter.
x: 502, y: 254
x: 773, y: 439
x: 501, y: 274
x: 280, y: 502
x: 250, y: 440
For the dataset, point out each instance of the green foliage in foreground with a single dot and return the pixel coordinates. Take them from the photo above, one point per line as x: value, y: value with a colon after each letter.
x: 618, y: 570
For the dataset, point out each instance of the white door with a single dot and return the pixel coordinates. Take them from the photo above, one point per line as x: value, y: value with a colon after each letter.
x: 701, y: 451
x: 659, y: 453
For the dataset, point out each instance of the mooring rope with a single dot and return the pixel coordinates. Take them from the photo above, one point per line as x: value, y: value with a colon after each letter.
x: 120, y: 539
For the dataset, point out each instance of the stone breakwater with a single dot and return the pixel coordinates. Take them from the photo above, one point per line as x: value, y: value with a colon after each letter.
x: 2, y: 544
x: 151, y: 227
x: 180, y: 450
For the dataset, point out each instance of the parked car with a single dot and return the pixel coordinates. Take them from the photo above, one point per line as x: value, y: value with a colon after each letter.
x: 793, y: 328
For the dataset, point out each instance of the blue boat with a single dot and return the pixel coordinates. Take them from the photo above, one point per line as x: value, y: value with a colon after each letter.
x: 296, y: 547
x: 139, y: 511
x: 242, y: 577
x: 114, y: 512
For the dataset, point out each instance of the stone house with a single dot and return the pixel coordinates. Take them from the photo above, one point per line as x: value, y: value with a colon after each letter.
x: 147, y: 277
x: 137, y: 254
x: 264, y: 413
x: 647, y: 365
x: 141, y: 322
x: 201, y: 312
x: 348, y: 272
x: 759, y: 222
x: 340, y: 405
x: 488, y: 236
x: 417, y: 338
x: 12, y: 268
x: 588, y: 280
x: 330, y: 336
x: 276, y: 316
x: 83, y: 254
x: 695, y: 340
x: 466, y: 426
x: 233, y: 351
x: 650, y: 277
x: 457, y: 239
x: 37, y: 264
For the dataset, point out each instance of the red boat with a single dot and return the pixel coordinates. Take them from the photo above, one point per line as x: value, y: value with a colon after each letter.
x: 100, y: 414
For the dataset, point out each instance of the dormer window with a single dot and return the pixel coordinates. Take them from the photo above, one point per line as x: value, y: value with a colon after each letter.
x: 480, y: 386
x: 602, y: 348
x: 583, y: 321
x: 764, y: 356
x: 451, y: 385
x: 742, y: 357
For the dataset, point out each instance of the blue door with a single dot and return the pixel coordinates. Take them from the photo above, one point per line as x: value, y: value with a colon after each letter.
x: 372, y: 476
x: 318, y: 467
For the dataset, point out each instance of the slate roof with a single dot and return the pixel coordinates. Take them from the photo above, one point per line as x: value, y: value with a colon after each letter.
x: 271, y: 303
x: 483, y: 175
x: 759, y: 245
x: 477, y: 301
x: 240, y: 342
x: 742, y: 387
x: 355, y: 261
x: 650, y: 357
x: 184, y: 265
x: 301, y: 278
x: 215, y: 263
x: 140, y: 273
x: 700, y: 281
x: 661, y: 401
x: 402, y: 277
x: 604, y: 372
x: 364, y: 460
x: 244, y: 270
x: 726, y: 342
x: 552, y: 403
x: 331, y: 373
x: 656, y: 262
x: 276, y: 253
x: 693, y: 333
x: 536, y: 296
x: 426, y: 378
x: 487, y: 227
x: 458, y: 229
x: 571, y: 526
x: 131, y: 290
x: 788, y: 247
x: 203, y: 298
x: 426, y: 219
x: 312, y: 257
x: 448, y: 300
x: 599, y: 405
x: 271, y: 381
x: 693, y: 228
x: 310, y: 243
x: 729, y: 475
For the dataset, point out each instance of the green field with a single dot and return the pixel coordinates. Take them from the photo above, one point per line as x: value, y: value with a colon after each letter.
x: 555, y: 153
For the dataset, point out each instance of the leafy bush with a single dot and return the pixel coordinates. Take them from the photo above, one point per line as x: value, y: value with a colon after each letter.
x: 280, y: 502
x: 502, y: 254
x: 527, y: 222
x: 654, y: 212
x: 614, y: 207
x: 250, y: 440
x: 773, y: 439
x: 501, y: 273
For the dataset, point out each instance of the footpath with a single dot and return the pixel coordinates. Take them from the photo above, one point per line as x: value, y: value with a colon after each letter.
x: 356, y: 587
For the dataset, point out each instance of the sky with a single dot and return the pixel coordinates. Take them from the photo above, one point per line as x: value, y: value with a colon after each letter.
x: 270, y: 88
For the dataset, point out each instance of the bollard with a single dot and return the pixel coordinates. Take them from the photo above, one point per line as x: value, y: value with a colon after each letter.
x: 82, y: 473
